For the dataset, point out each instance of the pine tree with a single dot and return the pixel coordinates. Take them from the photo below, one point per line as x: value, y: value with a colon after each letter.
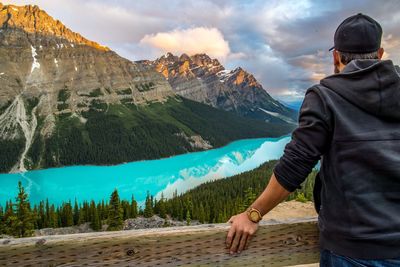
x: 249, y: 198
x: 41, y: 219
x: 68, y: 215
x: 161, y: 207
x: 188, y: 219
x: 47, y: 212
x: 148, y: 206
x: 59, y: 217
x: 104, y: 210
x: 95, y: 223
x: 134, y: 208
x: 115, y: 213
x: 1, y: 220
x: 180, y: 212
x: 126, y: 209
x: 81, y: 218
x: 84, y: 215
x: 24, y: 226
x: 99, y: 211
x: 202, y: 214
x: 53, y: 218
x: 10, y: 219
x: 76, y: 213
x: 35, y: 217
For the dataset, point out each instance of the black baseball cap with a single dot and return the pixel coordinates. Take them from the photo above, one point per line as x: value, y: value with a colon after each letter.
x: 358, y: 34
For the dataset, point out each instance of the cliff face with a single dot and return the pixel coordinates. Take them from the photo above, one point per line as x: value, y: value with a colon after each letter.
x: 32, y: 19
x: 47, y: 71
x: 40, y: 57
x: 205, y: 80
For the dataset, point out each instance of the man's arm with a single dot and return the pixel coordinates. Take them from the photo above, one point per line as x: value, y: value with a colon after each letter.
x: 242, y: 228
x: 309, y: 141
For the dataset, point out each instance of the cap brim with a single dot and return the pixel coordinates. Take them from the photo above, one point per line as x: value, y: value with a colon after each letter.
x: 331, y: 48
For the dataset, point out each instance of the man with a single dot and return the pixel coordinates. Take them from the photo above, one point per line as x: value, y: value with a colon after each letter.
x: 352, y: 120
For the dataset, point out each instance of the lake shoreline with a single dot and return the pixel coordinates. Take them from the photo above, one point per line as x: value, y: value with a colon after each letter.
x: 168, y: 175
x: 146, y: 160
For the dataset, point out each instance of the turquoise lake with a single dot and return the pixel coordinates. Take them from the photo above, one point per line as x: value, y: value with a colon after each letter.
x: 178, y: 173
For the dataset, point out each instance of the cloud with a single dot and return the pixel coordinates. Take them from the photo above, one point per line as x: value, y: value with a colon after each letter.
x: 280, y: 42
x: 190, y: 41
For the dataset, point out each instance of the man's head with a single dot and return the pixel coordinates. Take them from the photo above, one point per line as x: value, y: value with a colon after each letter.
x: 357, y: 37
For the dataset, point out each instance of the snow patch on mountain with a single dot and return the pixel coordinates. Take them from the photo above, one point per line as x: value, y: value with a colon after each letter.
x: 279, y: 116
x: 28, y: 128
x: 35, y: 63
x: 224, y: 75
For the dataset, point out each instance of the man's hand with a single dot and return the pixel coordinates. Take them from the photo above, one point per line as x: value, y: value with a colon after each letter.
x: 240, y: 232
x: 242, y: 229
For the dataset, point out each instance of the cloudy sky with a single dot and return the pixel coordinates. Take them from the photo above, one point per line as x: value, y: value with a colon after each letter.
x: 283, y: 43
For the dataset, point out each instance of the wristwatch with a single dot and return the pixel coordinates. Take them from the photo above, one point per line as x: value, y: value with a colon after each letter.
x: 254, y: 215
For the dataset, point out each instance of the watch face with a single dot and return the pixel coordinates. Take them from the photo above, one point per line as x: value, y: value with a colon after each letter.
x: 254, y: 216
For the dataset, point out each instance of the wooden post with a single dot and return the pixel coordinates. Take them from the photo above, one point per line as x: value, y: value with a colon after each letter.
x: 275, y: 244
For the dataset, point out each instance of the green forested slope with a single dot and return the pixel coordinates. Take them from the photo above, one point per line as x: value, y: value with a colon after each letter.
x: 217, y: 201
x: 126, y: 132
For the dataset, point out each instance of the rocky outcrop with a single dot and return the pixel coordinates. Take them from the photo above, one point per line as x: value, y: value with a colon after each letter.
x: 129, y: 224
x: 32, y: 19
x: 46, y: 70
x: 196, y: 141
x: 39, y: 57
x: 83, y: 228
x: 153, y: 222
x: 205, y: 80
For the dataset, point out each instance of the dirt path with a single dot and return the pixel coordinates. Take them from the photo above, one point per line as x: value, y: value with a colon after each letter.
x: 291, y: 210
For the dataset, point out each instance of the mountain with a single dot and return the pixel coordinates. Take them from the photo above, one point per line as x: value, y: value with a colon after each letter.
x: 66, y: 100
x: 205, y: 80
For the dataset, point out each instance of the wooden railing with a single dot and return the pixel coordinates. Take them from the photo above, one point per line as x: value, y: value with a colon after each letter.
x: 275, y: 244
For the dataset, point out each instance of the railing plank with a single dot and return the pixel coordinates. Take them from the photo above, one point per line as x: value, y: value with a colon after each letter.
x: 275, y: 244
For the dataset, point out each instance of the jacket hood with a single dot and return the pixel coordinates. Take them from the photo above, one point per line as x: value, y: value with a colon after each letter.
x: 371, y: 84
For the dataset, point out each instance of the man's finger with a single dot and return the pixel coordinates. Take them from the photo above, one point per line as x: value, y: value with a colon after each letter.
x: 243, y: 242
x: 249, y: 237
x: 230, y: 236
x: 236, y: 241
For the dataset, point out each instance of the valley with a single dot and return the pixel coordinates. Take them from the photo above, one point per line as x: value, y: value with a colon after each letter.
x: 66, y: 100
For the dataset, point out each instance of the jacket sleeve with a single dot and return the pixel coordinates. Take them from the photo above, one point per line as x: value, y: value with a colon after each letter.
x: 310, y: 141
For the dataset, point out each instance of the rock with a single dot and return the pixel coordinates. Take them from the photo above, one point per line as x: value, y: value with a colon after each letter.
x: 205, y: 80
x: 83, y: 228
x: 129, y: 224
x: 196, y: 141
x: 39, y: 57
x: 153, y: 222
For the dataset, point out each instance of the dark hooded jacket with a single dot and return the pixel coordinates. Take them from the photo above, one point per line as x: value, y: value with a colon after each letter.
x: 351, y: 121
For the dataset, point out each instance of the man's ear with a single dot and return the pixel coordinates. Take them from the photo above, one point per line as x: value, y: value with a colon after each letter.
x: 336, y: 58
x: 380, y: 53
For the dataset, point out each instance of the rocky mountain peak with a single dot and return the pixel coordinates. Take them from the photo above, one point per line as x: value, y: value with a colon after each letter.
x: 239, y: 76
x: 205, y: 61
x: 184, y: 57
x: 168, y: 57
x: 32, y: 19
x: 203, y: 79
